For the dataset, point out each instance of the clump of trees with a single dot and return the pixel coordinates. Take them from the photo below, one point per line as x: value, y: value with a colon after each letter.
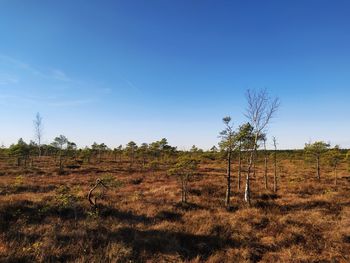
x: 98, y: 150
x: 259, y: 112
x: 21, y: 151
x: 261, y: 108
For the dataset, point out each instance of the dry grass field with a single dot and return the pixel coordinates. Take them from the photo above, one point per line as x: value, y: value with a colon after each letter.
x: 46, y: 217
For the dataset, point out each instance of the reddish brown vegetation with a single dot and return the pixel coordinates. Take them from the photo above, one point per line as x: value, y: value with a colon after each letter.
x: 46, y: 217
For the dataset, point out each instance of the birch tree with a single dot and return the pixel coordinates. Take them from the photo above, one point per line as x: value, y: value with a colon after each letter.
x: 38, y: 131
x: 243, y: 136
x: 261, y: 108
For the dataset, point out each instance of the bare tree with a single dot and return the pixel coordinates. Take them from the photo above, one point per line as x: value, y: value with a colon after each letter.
x: 260, y: 110
x: 275, y: 165
x: 38, y: 129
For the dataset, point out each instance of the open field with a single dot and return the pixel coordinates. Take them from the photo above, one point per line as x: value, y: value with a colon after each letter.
x: 174, y: 131
x: 46, y: 217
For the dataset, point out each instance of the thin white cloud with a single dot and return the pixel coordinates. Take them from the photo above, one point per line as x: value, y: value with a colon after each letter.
x: 60, y: 75
x: 50, y: 78
x: 6, y: 79
x: 105, y: 90
x: 131, y: 85
x: 54, y: 74
x: 65, y: 103
x: 14, y: 100
x: 22, y: 65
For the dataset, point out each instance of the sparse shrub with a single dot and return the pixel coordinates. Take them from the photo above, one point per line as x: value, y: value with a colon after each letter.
x: 18, y: 181
x: 153, y: 165
x: 110, y: 181
x: 118, y: 252
x: 136, y: 196
x: 184, y: 169
x: 94, y: 214
x: 64, y: 197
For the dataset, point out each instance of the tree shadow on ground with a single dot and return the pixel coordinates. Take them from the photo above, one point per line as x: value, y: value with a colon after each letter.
x: 188, y: 206
x: 27, y: 189
x: 128, y: 216
x: 37, y: 212
x: 188, y: 246
x: 168, y: 216
x: 328, y: 208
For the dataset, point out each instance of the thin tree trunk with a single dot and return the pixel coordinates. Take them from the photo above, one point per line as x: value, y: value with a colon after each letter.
x: 60, y: 163
x: 132, y: 159
x: 186, y: 182
x: 318, y: 167
x: 254, y: 164
x: 275, y: 172
x: 228, y: 189
x: 265, y: 164
x: 182, y: 191
x: 251, y: 162
x: 247, y: 183
x: 265, y: 171
x: 239, y: 166
x: 143, y: 163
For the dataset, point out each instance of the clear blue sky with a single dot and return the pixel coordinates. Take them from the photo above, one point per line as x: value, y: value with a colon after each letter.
x: 115, y: 71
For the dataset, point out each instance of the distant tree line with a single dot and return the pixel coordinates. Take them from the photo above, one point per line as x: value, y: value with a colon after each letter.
x: 242, y: 146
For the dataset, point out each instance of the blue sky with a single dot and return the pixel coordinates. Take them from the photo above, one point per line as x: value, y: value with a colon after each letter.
x: 115, y: 71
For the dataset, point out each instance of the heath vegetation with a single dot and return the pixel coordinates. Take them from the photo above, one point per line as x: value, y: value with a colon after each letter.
x: 154, y: 203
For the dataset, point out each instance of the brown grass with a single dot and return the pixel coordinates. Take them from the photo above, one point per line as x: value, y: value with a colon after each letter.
x: 46, y: 217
